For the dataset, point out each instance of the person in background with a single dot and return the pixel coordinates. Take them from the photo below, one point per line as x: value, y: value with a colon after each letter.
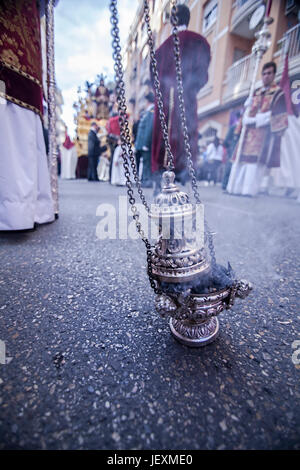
x: 143, y: 141
x: 230, y: 144
x: 94, y: 152
x: 266, y: 120
x: 117, y: 169
x: 214, y: 156
x: 138, y: 153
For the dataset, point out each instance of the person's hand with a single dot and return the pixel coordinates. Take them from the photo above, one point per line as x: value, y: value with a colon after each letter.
x: 248, y: 121
x: 263, y: 119
x: 145, y: 149
x: 248, y: 102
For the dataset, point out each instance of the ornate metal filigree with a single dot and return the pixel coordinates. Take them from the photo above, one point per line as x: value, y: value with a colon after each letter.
x: 193, y: 316
x: 179, y: 254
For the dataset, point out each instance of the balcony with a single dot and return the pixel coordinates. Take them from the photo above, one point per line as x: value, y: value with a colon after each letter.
x: 238, y: 78
x: 241, y: 17
x: 290, y: 42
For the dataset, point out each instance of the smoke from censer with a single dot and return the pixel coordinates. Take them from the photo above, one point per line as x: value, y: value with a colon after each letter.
x: 217, y: 279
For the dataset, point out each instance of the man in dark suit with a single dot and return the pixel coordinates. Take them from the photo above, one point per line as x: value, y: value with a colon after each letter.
x: 94, y: 151
x: 143, y: 140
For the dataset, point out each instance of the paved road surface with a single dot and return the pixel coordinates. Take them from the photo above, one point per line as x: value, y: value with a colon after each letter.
x: 91, y: 365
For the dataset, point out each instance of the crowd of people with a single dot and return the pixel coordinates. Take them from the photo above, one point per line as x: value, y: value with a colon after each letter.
x: 260, y: 150
x: 258, y: 153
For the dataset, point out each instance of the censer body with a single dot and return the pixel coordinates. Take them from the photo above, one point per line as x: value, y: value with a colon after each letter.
x: 180, y: 264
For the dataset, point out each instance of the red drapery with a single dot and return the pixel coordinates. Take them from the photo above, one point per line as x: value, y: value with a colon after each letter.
x: 20, y: 53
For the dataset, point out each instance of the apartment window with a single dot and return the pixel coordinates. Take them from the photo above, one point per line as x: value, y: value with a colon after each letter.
x: 210, y: 132
x: 238, y: 54
x: 209, y: 14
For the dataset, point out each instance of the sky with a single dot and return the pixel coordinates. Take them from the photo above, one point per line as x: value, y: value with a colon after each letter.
x: 83, y: 45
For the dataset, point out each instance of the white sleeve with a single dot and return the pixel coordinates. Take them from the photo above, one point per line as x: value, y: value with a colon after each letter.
x: 263, y: 119
x: 248, y: 102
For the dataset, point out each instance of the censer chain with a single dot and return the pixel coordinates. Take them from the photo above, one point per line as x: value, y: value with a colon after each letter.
x: 174, y: 22
x: 126, y: 141
x: 158, y: 93
x: 159, y: 98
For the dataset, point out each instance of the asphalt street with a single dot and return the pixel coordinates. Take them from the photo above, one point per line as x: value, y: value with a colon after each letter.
x: 87, y: 363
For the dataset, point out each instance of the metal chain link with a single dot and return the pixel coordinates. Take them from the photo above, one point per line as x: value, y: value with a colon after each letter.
x: 187, y: 147
x: 159, y: 98
x: 174, y: 22
x: 121, y: 100
x: 126, y: 141
x: 180, y: 91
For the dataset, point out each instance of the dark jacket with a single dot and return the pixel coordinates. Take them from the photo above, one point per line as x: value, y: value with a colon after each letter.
x: 94, y: 149
x: 144, y: 132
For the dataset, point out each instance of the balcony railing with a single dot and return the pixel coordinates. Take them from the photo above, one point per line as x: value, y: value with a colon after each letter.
x: 239, y: 77
x: 241, y: 3
x: 290, y: 40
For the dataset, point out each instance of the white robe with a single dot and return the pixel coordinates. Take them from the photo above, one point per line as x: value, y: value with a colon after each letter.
x: 25, y: 192
x: 288, y: 174
x: 117, y: 170
x: 103, y: 169
x: 68, y: 162
x: 248, y: 179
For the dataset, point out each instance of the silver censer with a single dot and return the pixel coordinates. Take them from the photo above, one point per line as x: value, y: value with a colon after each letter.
x: 193, y: 291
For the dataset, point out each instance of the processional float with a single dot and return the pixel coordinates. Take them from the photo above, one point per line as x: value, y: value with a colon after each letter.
x: 190, y: 287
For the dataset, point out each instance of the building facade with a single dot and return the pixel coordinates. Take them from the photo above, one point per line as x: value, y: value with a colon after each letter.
x: 227, y: 27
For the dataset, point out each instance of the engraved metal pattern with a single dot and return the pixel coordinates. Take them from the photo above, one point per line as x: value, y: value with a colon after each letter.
x: 193, y: 316
x: 52, y: 155
x: 178, y: 256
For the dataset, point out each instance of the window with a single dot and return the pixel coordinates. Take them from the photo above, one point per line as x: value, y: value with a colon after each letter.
x: 209, y: 14
x: 289, y: 5
x: 238, y: 54
x: 210, y: 132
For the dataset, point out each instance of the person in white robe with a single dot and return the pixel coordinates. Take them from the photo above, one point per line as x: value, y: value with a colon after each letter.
x: 265, y: 120
x: 103, y: 167
x: 25, y: 192
x: 117, y: 169
x: 68, y: 155
x: 286, y: 178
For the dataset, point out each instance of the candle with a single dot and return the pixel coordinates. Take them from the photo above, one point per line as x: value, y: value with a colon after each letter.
x: 269, y: 5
